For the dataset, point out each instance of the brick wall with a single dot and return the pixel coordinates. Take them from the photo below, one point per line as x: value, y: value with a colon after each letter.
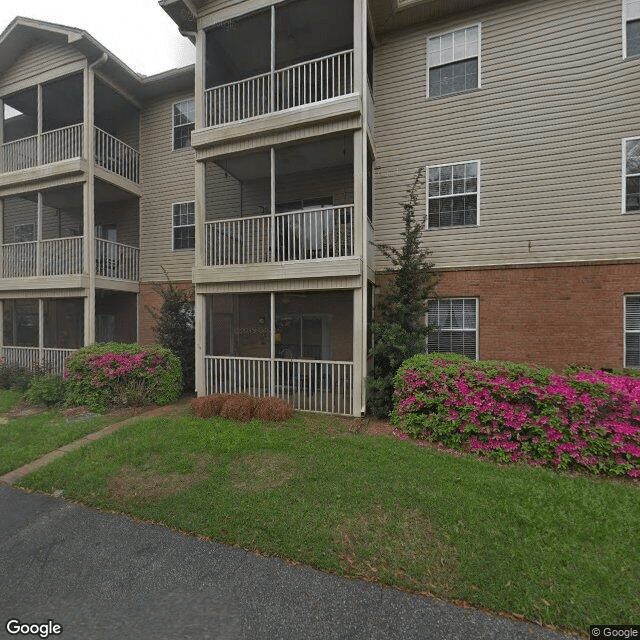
x: 150, y: 298
x: 552, y: 315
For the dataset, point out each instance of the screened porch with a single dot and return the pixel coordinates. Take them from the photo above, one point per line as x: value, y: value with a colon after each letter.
x: 313, y: 217
x: 297, y: 346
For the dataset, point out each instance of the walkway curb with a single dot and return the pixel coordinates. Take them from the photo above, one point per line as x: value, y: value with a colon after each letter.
x: 17, y: 474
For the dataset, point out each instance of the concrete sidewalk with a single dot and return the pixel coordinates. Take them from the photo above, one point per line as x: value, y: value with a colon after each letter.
x: 101, y: 575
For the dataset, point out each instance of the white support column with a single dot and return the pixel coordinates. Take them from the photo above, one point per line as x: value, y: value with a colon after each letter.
x: 272, y: 187
x: 201, y: 323
x: 359, y: 345
x: 359, y: 45
x: 40, y: 120
x: 1, y: 328
x: 200, y: 79
x: 200, y: 212
x: 272, y: 77
x: 1, y: 229
x: 88, y: 218
x: 40, y: 332
x: 39, y: 235
x: 272, y: 339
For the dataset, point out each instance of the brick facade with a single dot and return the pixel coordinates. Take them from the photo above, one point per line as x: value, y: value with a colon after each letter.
x: 548, y: 314
x: 150, y: 298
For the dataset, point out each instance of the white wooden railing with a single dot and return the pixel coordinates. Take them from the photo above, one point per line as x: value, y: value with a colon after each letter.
x: 238, y: 241
x: 315, y: 80
x: 116, y: 260
x: 19, y: 154
x: 48, y: 359
x: 309, y: 234
x: 299, y: 84
x: 20, y: 259
x: 307, y: 385
x: 61, y: 256
x: 116, y: 156
x: 62, y: 144
x: 238, y: 100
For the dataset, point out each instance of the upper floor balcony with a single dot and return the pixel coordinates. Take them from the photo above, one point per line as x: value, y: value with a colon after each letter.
x: 45, y: 124
x: 44, y: 237
x: 288, y: 56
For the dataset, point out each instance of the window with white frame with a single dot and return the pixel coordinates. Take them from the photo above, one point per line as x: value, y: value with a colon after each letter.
x: 632, y: 331
x: 453, y: 195
x: 632, y: 27
x: 184, y: 117
x: 632, y: 175
x: 184, y: 225
x: 456, y: 322
x: 453, y: 62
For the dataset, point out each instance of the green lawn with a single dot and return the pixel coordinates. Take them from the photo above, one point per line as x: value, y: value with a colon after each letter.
x: 556, y: 549
x: 25, y: 439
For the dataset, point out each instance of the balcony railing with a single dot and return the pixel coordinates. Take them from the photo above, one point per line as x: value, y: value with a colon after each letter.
x: 114, y: 155
x: 66, y: 143
x: 62, y: 144
x: 63, y: 256
x: 50, y: 359
x: 307, y: 385
x: 300, y: 84
x: 116, y: 260
x: 309, y: 234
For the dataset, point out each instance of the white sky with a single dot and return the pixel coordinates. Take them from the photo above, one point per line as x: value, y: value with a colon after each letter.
x: 139, y: 32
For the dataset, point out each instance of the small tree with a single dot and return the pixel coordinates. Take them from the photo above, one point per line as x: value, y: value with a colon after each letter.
x: 400, y: 331
x: 175, y: 327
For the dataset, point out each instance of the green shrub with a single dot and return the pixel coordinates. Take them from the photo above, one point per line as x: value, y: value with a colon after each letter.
x: 113, y: 374
x: 587, y: 420
x: 14, y: 377
x: 47, y: 390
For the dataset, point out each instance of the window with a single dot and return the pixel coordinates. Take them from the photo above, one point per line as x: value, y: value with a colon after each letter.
x: 453, y: 195
x: 184, y: 225
x: 632, y: 28
x: 632, y: 331
x: 456, y: 320
x: 184, y: 117
x: 453, y: 61
x: 632, y: 175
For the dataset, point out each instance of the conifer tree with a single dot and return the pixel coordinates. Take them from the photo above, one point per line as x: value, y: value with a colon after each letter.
x: 400, y: 330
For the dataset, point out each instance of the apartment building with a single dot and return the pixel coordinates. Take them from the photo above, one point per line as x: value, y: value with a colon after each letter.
x: 262, y: 178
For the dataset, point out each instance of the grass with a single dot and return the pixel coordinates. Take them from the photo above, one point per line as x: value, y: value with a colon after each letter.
x: 25, y: 439
x: 555, y: 549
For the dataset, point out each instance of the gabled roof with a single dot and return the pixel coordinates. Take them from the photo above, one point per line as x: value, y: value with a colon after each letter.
x: 22, y: 32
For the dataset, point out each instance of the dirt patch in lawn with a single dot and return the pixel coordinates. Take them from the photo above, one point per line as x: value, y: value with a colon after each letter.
x: 261, y: 471
x: 397, y: 548
x: 24, y: 410
x: 148, y: 483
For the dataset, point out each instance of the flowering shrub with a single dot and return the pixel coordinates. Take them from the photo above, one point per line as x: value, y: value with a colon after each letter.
x: 113, y: 374
x: 585, y: 419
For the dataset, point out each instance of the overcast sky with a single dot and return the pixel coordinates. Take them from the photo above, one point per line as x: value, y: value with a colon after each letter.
x: 139, y: 32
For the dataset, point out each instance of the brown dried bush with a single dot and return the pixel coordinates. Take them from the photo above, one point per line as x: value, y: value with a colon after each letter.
x: 238, y: 407
x: 208, y: 406
x: 271, y: 408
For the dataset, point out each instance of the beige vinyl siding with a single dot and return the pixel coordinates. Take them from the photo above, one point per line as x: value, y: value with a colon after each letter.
x: 547, y: 127
x: 167, y: 177
x: 299, y: 284
x: 41, y: 56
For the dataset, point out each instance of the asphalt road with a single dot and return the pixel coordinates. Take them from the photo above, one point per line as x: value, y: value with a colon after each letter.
x: 101, y: 575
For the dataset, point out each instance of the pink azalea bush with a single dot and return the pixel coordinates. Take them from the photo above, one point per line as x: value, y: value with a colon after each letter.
x: 583, y: 420
x: 113, y: 374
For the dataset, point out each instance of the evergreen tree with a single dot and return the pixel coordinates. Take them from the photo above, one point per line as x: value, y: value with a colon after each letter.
x: 175, y: 327
x: 400, y: 330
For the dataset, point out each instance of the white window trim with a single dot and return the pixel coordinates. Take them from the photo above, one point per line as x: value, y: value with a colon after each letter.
x: 624, y: 328
x: 462, y: 226
x: 477, y: 319
x: 173, y: 226
x: 624, y: 176
x: 626, y: 19
x: 173, y: 125
x: 444, y: 33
